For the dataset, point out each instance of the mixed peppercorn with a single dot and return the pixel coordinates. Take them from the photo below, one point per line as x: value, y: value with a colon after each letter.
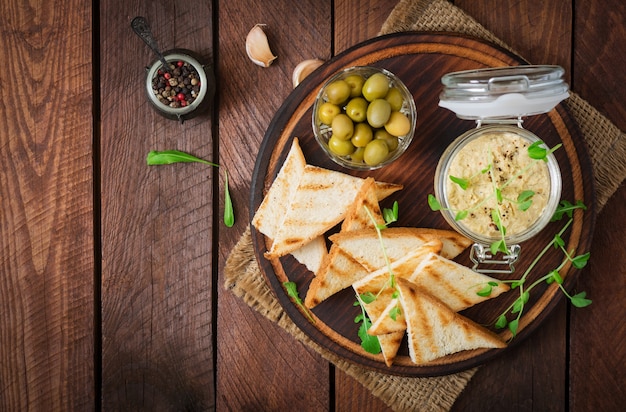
x: 179, y: 87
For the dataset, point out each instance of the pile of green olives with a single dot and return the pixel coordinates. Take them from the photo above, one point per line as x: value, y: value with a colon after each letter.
x: 364, y: 116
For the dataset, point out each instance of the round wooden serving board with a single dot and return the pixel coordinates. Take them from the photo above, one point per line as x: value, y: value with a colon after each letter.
x: 419, y: 60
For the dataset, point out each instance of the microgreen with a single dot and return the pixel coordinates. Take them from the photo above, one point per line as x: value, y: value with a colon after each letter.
x: 168, y: 157
x: 292, y: 291
x: 368, y: 342
x: 553, y: 276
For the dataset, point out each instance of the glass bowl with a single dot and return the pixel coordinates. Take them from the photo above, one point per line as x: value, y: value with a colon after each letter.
x: 352, y: 156
x: 180, y: 101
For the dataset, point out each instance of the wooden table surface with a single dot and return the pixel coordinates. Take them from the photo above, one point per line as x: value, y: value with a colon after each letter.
x: 111, y: 272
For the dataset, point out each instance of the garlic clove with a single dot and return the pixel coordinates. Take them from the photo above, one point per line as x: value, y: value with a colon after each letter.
x: 258, y: 47
x: 303, y: 69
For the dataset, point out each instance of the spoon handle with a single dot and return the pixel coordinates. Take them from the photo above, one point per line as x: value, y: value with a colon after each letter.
x: 142, y: 29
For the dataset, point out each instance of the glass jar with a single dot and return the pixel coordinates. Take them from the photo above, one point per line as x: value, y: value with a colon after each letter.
x: 488, y: 186
x: 189, y: 104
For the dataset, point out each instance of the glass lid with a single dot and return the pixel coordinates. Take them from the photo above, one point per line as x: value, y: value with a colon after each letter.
x: 503, y: 92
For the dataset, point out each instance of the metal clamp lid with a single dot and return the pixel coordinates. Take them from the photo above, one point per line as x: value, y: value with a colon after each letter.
x: 503, y: 92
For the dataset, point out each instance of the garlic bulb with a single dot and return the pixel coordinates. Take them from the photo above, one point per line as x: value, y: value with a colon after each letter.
x: 258, y: 47
x: 303, y: 69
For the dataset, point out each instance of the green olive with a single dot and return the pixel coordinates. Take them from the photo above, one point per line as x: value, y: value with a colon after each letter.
x: 327, y: 112
x: 357, y: 155
x: 342, y: 127
x: 363, y: 134
x: 355, y: 81
x: 375, y: 152
x: 395, y: 99
x: 340, y: 147
x: 337, y: 92
x: 378, y: 112
x: 375, y: 87
x: 398, y: 124
x: 391, y: 140
x: 356, y: 109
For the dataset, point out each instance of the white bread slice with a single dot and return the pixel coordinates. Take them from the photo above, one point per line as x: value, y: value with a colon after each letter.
x: 312, y: 254
x: 320, y: 202
x: 454, y: 284
x: 364, y: 245
x: 434, y: 330
x: 376, y: 283
x: 270, y: 215
x: 339, y: 270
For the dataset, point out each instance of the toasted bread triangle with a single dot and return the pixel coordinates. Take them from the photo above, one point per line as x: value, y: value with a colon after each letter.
x: 320, y: 202
x: 454, y: 284
x: 376, y: 282
x: 434, y: 330
x: 339, y: 270
x: 364, y: 245
x: 270, y: 215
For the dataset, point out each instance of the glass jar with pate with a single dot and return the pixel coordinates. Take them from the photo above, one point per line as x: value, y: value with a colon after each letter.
x: 499, y: 184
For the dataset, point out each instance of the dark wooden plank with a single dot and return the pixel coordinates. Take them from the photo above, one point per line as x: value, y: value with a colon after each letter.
x: 598, y: 58
x: 46, y: 219
x: 357, y: 21
x: 597, y: 349
x: 541, y: 33
x: 157, y: 258
x: 259, y: 366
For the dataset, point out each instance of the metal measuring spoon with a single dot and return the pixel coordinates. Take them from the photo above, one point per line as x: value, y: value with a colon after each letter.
x: 140, y: 26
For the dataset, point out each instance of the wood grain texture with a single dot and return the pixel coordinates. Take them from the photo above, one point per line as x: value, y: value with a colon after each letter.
x: 46, y: 232
x: 157, y: 332
x: 259, y: 366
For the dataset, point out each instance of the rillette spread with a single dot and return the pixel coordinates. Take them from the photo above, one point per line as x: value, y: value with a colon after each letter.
x: 514, y: 172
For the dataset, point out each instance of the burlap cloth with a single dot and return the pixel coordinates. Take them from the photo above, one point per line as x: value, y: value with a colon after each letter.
x: 607, y: 148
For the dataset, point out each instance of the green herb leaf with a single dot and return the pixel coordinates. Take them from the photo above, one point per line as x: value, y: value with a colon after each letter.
x: 487, y: 289
x: 513, y: 326
x: 391, y: 215
x: 498, y: 246
x: 463, y: 183
x: 501, y: 322
x: 558, y: 241
x: 292, y: 291
x: 555, y: 276
x: 567, y: 208
x: 524, y: 200
x: 368, y: 342
x: 229, y: 213
x: 580, y: 261
x: 367, y: 297
x: 498, y: 195
x: 486, y: 169
x: 433, y: 203
x: 461, y: 214
x: 393, y: 313
x: 168, y: 157
x: 580, y: 301
x: 535, y: 151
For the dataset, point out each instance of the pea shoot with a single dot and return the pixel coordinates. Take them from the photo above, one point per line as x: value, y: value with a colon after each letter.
x: 579, y: 300
x: 371, y: 343
x: 168, y: 157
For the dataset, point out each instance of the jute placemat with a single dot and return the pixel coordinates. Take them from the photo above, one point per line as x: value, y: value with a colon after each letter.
x: 607, y: 148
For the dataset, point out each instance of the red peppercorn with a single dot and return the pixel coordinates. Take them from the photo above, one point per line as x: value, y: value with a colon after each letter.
x: 183, y: 103
x: 181, y: 97
x: 180, y: 63
x: 167, y: 76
